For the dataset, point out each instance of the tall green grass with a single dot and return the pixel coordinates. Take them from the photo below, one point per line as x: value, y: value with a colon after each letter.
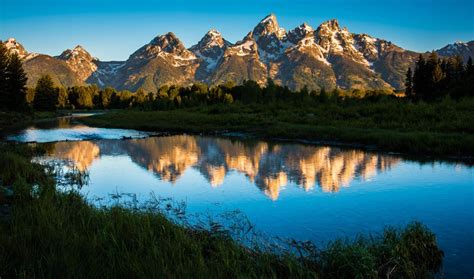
x: 55, y: 233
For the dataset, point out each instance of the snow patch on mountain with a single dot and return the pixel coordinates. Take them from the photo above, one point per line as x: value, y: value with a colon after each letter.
x: 210, y: 49
x: 14, y: 46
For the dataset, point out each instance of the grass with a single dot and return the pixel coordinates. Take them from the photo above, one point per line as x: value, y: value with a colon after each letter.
x: 437, y: 129
x: 11, y: 120
x: 52, y: 233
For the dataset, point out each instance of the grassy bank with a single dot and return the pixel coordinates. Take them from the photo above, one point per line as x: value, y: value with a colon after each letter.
x: 11, y: 120
x: 50, y: 233
x: 437, y: 129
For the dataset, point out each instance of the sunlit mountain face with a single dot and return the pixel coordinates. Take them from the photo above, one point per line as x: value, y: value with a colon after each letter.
x: 268, y: 166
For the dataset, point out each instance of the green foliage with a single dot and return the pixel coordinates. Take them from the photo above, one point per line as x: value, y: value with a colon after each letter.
x: 12, y: 81
x: 46, y: 95
x: 56, y: 233
x: 435, y: 78
x: 398, y: 254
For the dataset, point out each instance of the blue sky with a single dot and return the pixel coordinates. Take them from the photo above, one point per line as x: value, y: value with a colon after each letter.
x: 112, y: 30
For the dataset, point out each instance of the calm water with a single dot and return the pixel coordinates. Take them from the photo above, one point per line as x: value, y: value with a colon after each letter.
x: 289, y: 190
x: 68, y: 129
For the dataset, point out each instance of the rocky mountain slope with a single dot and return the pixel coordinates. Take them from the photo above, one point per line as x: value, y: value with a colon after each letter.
x: 465, y: 50
x: 326, y: 57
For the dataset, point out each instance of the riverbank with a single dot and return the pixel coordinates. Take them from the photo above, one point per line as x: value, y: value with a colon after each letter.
x: 440, y: 129
x: 12, y: 120
x: 57, y: 233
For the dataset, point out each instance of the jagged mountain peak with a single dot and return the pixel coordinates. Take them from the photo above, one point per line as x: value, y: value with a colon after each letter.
x: 210, y: 49
x: 213, y: 33
x: 331, y: 25
x: 268, y: 26
x: 305, y: 27
x: 464, y: 49
x: 270, y: 20
x: 77, y: 51
x: 15, y: 47
x: 11, y: 41
x: 211, y: 39
x: 168, y: 42
x: 460, y: 43
x: 246, y: 46
x: 300, y: 32
x: 80, y: 61
x: 79, y: 48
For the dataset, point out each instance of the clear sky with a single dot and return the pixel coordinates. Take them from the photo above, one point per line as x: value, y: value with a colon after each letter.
x: 113, y: 29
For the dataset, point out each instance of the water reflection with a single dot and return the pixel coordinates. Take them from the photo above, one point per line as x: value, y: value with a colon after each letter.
x: 68, y: 128
x: 270, y: 167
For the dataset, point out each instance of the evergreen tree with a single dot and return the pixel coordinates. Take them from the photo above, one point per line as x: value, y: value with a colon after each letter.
x: 409, y: 84
x: 469, y: 66
x: 251, y: 92
x: 4, y: 57
x: 269, y: 92
x: 16, y: 84
x: 45, y: 94
x: 419, y: 77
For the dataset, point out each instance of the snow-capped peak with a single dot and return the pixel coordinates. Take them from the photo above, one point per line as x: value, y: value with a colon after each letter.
x: 306, y: 27
x: 210, y: 48
x: 168, y: 42
x: 15, y: 47
x: 213, y: 33
x: 80, y: 61
x: 331, y: 25
x: 78, y: 52
x: 245, y: 47
x: 166, y: 47
x: 268, y: 26
x: 79, y: 48
x: 457, y: 48
x: 300, y: 32
x: 10, y: 42
x: 269, y: 18
x: 211, y: 39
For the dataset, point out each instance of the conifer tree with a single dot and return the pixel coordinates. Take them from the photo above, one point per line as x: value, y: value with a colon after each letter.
x: 469, y: 66
x: 4, y: 57
x: 409, y: 84
x: 419, y: 77
x: 16, y: 84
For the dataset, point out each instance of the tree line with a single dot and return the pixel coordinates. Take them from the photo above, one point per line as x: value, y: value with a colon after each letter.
x: 46, y: 96
x: 434, y: 78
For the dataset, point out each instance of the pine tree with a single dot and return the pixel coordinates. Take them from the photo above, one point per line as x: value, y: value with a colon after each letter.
x: 45, y: 94
x: 16, y: 84
x: 419, y: 77
x: 4, y: 57
x: 469, y: 66
x: 409, y: 84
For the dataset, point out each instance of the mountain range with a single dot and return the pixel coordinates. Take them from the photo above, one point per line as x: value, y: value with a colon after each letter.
x: 326, y: 57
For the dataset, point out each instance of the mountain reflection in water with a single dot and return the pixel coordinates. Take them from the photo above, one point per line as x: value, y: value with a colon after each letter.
x: 269, y: 166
